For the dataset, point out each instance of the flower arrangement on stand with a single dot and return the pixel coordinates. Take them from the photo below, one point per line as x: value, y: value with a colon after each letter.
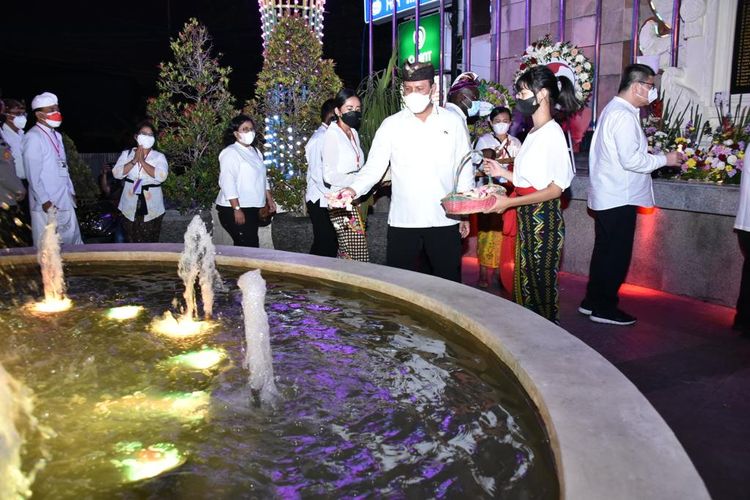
x: 496, y: 95
x: 714, y: 155
x: 564, y: 59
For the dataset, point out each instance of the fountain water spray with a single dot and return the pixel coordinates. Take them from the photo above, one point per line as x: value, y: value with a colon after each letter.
x: 50, y: 261
x: 257, y: 334
x: 15, y: 405
x: 198, y: 262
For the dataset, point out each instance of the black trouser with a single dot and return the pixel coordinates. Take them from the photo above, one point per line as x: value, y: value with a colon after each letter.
x: 245, y: 235
x: 138, y: 231
x: 742, y: 319
x: 441, y: 245
x: 325, y: 243
x: 610, y: 260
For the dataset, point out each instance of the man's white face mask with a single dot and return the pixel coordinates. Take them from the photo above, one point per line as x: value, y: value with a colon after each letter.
x: 416, y: 102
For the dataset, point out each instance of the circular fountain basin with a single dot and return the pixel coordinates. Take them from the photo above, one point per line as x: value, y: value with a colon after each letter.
x: 606, y: 439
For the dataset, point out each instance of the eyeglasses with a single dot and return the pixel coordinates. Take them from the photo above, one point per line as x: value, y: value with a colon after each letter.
x: 651, y: 85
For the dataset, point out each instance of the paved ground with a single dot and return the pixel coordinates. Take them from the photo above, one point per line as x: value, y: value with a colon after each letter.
x: 691, y: 366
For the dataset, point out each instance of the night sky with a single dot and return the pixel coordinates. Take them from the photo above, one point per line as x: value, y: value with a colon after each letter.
x: 101, y: 58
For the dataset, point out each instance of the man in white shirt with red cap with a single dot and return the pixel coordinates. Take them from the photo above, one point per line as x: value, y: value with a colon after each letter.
x: 47, y: 172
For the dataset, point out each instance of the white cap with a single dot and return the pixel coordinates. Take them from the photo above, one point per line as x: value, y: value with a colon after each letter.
x: 44, y: 100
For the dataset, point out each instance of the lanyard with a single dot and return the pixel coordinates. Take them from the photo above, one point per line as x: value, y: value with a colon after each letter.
x: 54, y: 142
x: 354, y: 146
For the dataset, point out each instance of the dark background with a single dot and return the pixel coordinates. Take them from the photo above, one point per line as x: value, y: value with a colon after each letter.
x: 101, y: 58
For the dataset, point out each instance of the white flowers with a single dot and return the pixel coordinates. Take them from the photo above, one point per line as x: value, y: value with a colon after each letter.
x: 732, y: 159
x: 579, y: 58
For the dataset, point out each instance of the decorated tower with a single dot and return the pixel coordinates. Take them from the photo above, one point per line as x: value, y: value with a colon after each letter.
x: 311, y: 11
x: 294, y: 83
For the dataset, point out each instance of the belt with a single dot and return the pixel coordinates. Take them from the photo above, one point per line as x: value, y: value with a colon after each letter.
x: 145, y: 187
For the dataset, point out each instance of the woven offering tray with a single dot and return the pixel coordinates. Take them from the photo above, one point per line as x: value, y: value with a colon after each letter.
x: 475, y: 201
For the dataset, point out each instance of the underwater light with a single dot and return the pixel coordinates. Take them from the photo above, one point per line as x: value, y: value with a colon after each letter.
x: 48, y: 306
x: 124, y: 312
x: 199, y: 360
x: 143, y: 463
x: 180, y: 405
x: 180, y: 327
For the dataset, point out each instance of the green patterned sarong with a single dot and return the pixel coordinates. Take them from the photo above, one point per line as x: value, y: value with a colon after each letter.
x: 539, y: 244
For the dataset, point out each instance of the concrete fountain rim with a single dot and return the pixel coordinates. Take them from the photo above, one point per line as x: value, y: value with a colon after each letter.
x: 607, y: 439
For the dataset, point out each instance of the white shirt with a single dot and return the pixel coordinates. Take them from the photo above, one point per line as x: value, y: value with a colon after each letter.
x: 15, y: 141
x: 153, y: 195
x: 342, y: 157
x: 743, y: 211
x: 490, y: 141
x: 619, y: 163
x: 454, y: 108
x: 543, y: 159
x: 47, y: 169
x: 423, y: 156
x: 316, y: 190
x: 242, y: 177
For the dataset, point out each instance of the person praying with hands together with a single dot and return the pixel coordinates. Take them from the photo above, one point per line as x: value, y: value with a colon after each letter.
x: 143, y: 170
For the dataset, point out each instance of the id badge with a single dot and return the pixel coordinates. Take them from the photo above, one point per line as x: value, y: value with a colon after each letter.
x: 63, y: 170
x: 137, y: 188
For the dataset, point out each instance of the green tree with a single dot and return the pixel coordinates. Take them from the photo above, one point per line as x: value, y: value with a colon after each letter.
x: 192, y: 110
x: 80, y: 173
x: 291, y: 88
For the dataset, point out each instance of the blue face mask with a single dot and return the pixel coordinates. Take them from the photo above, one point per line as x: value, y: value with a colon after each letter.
x: 475, y: 107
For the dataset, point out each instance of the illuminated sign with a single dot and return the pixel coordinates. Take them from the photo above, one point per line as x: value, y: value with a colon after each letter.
x: 429, y: 40
x: 383, y: 9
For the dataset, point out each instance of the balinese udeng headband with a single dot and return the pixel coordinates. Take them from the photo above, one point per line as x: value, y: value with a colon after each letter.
x: 418, y: 71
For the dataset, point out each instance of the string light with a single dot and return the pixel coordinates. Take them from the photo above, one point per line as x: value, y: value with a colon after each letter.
x: 309, y: 10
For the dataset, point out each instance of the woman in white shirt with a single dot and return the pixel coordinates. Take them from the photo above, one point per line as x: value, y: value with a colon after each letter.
x: 490, y: 242
x: 243, y: 183
x: 742, y: 226
x: 342, y: 158
x: 144, y: 170
x: 542, y: 171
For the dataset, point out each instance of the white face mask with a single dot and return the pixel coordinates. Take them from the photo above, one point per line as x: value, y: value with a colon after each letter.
x: 416, y: 102
x: 500, y: 128
x: 19, y: 122
x: 145, y: 141
x: 247, y: 137
x: 653, y: 94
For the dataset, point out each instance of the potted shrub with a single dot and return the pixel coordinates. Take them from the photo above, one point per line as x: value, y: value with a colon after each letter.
x: 291, y: 88
x: 191, y: 113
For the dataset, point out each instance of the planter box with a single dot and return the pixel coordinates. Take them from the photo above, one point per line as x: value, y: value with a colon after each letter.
x: 175, y: 224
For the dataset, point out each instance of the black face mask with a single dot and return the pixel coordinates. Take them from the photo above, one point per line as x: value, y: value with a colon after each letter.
x: 352, y: 118
x: 527, y: 106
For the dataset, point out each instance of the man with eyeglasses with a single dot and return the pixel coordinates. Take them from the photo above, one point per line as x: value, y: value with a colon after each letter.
x: 620, y: 169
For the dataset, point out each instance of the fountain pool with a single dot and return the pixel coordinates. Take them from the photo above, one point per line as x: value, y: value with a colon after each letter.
x: 597, y: 424
x: 374, y: 398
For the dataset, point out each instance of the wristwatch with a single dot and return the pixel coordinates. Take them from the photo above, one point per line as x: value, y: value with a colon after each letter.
x: 237, y: 208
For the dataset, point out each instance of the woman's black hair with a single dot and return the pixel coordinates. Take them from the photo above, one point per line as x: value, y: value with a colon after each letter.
x: 498, y: 110
x: 342, y: 96
x: 144, y: 123
x: 234, y: 125
x: 541, y: 77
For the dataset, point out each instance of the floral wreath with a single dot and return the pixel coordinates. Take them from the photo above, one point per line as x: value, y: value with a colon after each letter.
x: 564, y: 59
x: 496, y: 95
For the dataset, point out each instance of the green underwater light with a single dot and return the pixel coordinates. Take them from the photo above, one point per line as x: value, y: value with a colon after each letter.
x: 142, y: 463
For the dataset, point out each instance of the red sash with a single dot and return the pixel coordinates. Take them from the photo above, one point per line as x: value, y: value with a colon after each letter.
x: 510, y: 222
